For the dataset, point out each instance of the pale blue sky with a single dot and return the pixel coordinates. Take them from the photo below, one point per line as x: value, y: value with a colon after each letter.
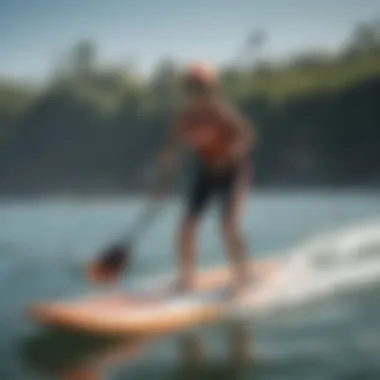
x: 34, y: 32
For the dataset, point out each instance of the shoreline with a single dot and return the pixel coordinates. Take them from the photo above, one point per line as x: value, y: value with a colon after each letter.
x: 133, y: 196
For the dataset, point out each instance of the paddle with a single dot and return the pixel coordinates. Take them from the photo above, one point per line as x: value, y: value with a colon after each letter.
x: 110, y: 263
x: 113, y: 260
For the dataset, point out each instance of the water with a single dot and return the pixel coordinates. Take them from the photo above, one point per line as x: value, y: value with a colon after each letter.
x: 326, y: 329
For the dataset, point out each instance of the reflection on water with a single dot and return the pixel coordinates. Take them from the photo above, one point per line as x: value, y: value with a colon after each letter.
x: 94, y: 366
x: 197, y: 364
x: 51, y: 353
x: 332, y: 332
x: 77, y: 357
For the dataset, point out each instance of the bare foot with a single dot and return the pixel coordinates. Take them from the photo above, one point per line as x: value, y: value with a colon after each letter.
x: 239, y: 291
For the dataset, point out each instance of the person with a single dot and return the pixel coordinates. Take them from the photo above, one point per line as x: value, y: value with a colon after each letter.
x: 221, y: 141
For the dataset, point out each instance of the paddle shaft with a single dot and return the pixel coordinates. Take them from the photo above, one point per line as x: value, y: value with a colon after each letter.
x: 142, y: 223
x: 111, y: 262
x: 147, y: 216
x: 117, y: 256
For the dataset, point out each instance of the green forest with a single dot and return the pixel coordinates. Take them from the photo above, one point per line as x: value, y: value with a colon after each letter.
x: 93, y: 129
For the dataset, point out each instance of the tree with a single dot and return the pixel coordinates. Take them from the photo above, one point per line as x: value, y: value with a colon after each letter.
x: 365, y: 37
x: 79, y: 60
x: 84, y: 57
x: 163, y: 83
x: 252, y: 47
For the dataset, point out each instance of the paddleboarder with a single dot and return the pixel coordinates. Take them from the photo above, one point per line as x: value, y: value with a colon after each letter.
x: 221, y: 141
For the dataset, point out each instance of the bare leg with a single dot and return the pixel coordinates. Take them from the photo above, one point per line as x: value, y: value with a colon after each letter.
x: 231, y: 231
x: 236, y: 251
x: 186, y: 251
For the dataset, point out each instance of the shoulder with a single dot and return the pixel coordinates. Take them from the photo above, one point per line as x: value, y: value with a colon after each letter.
x: 179, y: 116
x: 229, y: 112
x: 225, y: 107
x: 183, y: 113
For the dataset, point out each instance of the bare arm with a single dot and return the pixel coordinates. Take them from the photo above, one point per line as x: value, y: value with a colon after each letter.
x: 244, y: 133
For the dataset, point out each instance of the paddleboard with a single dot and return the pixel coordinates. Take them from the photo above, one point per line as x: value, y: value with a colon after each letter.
x: 160, y: 311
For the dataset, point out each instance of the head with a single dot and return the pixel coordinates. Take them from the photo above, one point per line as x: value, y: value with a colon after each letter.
x: 199, y: 82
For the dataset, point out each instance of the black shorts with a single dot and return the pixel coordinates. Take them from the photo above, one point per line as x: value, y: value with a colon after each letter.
x: 206, y: 185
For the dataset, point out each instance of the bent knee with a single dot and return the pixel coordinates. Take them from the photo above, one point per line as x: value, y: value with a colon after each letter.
x: 189, y: 224
x: 229, y: 227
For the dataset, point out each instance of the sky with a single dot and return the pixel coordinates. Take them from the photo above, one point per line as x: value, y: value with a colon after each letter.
x: 35, y: 33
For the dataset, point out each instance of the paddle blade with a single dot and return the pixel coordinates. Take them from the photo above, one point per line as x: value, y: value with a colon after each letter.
x: 110, y: 264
